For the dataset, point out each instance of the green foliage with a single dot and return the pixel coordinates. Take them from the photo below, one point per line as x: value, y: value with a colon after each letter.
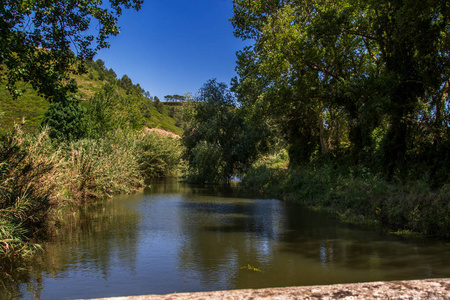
x: 108, y: 111
x: 205, y: 163
x: 219, y: 143
x: 126, y: 83
x: 37, y: 37
x: 158, y: 155
x: 368, y: 79
x: 65, y: 119
x: 100, y: 114
x: 25, y: 191
x: 357, y: 195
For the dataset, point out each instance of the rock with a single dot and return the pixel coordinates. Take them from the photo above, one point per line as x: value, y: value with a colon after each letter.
x: 412, y: 289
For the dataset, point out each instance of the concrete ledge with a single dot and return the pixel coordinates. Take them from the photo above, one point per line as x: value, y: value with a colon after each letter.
x: 413, y: 289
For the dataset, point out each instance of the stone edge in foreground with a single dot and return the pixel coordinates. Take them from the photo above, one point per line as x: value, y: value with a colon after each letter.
x: 412, y: 289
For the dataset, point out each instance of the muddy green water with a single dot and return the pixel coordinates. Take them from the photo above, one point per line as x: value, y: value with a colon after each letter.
x: 179, y: 238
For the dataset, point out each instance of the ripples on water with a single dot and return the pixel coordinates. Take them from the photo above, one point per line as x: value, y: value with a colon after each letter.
x: 179, y: 238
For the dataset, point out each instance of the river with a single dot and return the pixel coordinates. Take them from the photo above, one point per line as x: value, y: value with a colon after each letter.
x: 174, y: 237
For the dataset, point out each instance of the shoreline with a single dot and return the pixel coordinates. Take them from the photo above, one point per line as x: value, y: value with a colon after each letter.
x: 407, y: 289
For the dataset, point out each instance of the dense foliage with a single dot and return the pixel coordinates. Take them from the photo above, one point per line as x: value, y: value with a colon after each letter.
x: 65, y: 120
x: 108, y: 111
x: 359, y: 92
x: 356, y: 195
x: 90, y: 144
x: 219, y: 142
x: 24, y: 192
x: 367, y: 80
x: 39, y: 178
x: 36, y: 38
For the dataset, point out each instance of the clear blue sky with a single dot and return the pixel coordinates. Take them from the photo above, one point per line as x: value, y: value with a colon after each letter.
x: 174, y: 46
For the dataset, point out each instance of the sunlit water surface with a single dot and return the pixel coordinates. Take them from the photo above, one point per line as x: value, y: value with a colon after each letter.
x: 179, y: 238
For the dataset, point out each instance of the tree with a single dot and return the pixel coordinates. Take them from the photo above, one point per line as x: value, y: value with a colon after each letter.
x: 126, y: 83
x: 319, y: 67
x: 108, y: 111
x: 174, y: 98
x: 111, y: 74
x: 219, y: 142
x: 37, y: 38
x: 65, y: 120
x: 101, y: 64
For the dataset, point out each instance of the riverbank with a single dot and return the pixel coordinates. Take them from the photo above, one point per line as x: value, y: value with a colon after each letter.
x: 411, y: 289
x: 356, y: 195
x: 41, y: 180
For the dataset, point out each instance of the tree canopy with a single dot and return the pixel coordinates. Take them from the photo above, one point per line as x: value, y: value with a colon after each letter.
x: 219, y: 142
x: 40, y: 41
x: 362, y: 76
x: 174, y: 98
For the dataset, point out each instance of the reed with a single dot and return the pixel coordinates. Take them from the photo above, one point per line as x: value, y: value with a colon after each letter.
x: 41, y: 180
x: 25, y: 190
x: 159, y: 155
x: 95, y: 168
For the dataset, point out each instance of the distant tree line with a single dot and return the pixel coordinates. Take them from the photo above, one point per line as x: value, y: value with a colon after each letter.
x: 174, y: 98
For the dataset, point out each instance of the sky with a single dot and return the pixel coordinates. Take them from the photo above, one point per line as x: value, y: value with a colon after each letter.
x: 174, y: 46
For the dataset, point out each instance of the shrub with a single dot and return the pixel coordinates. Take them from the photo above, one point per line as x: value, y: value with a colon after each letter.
x: 65, y: 119
x: 158, y: 155
x: 355, y: 194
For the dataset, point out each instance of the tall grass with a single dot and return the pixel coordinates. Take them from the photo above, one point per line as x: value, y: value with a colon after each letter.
x: 25, y: 190
x: 39, y: 180
x: 159, y: 155
x: 94, y: 168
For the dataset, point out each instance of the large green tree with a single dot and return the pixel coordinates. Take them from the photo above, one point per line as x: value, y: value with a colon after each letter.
x: 44, y: 42
x: 219, y: 142
x: 334, y: 72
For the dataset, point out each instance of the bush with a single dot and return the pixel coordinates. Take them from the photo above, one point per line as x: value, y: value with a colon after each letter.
x: 158, y: 155
x: 355, y: 194
x: 65, y: 120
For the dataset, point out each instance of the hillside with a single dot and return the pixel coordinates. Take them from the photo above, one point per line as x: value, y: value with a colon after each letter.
x: 31, y: 107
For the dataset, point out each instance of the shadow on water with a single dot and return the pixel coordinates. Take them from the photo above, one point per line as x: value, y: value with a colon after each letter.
x: 176, y: 237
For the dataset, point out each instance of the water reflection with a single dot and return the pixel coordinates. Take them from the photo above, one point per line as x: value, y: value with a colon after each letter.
x: 94, y: 240
x: 180, y: 238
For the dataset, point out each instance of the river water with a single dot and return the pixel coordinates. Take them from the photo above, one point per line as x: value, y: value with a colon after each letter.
x: 178, y: 238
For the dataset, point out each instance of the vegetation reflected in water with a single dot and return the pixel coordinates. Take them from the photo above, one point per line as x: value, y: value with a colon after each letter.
x: 179, y: 238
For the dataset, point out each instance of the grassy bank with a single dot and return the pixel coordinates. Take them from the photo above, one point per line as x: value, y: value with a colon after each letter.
x: 40, y: 180
x: 355, y: 194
